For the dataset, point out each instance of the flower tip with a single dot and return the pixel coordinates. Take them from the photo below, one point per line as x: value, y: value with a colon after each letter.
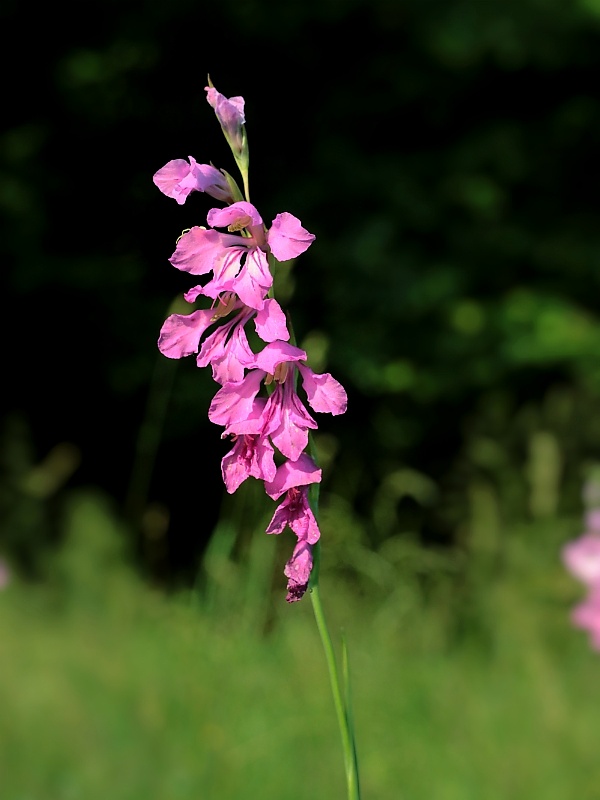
x: 296, y: 593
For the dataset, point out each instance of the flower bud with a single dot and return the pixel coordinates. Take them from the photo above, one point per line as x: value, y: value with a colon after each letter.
x: 230, y: 113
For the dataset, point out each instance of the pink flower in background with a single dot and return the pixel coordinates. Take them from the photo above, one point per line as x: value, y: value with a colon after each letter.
x: 587, y: 616
x: 592, y: 521
x: 582, y: 558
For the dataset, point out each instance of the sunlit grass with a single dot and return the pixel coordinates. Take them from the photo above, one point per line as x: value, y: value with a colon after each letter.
x: 110, y: 689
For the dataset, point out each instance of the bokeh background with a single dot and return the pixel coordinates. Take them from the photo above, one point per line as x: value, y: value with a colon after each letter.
x: 444, y: 155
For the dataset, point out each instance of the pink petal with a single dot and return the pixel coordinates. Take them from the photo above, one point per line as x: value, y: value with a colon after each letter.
x: 180, y: 334
x: 254, y: 279
x: 287, y: 238
x: 192, y: 294
x: 229, y: 111
x: 176, y: 179
x: 296, y: 512
x: 234, y: 401
x: 280, y: 518
x: 305, y: 525
x: 254, y: 423
x: 270, y: 322
x: 290, y: 474
x: 276, y: 353
x: 251, y: 456
x: 213, y: 182
x: 288, y: 421
x: 324, y: 393
x: 226, y: 268
x: 241, y: 213
x: 228, y: 365
x: 197, y: 251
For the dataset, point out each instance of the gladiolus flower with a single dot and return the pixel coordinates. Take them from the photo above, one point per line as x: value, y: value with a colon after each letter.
x: 177, y: 179
x: 257, y: 402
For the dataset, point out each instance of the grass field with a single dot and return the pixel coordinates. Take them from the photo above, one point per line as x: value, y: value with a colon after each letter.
x: 111, y: 689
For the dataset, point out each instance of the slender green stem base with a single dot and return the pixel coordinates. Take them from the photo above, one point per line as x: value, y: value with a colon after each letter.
x: 342, y: 711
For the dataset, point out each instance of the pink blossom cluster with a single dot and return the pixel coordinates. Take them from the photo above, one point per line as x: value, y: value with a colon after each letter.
x: 582, y: 558
x: 258, y: 403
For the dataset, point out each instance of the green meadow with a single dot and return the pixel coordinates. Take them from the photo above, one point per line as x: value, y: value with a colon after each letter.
x: 462, y: 688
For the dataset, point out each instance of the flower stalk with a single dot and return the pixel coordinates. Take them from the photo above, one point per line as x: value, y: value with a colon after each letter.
x: 339, y: 690
x: 257, y: 404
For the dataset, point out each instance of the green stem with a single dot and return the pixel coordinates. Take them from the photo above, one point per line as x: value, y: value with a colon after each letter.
x: 347, y: 734
x: 246, y: 185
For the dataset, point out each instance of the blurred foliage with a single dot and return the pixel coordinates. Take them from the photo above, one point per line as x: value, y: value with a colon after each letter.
x: 444, y: 159
x: 110, y: 688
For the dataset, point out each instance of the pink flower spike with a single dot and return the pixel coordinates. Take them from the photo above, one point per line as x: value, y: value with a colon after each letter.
x: 324, y: 393
x: 296, y: 512
x: 270, y: 322
x: 582, y: 558
x: 302, y: 472
x: 181, y: 333
x: 287, y: 238
x: 297, y: 571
